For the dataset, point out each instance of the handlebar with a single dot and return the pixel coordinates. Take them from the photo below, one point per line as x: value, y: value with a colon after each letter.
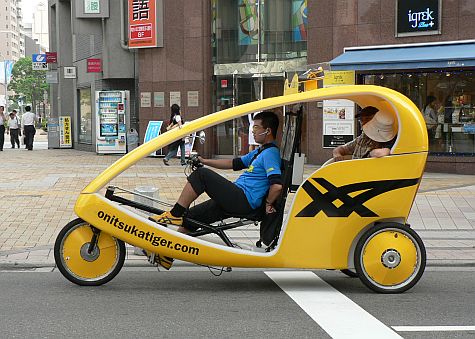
x: 194, y: 162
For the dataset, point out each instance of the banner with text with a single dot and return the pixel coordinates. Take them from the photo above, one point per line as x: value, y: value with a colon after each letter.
x: 338, y: 115
x: 145, y: 23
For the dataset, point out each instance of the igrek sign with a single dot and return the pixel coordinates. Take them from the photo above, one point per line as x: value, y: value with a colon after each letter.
x: 421, y: 17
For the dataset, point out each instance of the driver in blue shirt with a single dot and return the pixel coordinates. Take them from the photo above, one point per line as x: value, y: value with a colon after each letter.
x: 261, y: 181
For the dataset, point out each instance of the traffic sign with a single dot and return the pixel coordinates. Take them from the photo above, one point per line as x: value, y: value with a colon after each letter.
x: 39, y: 58
x: 51, y: 57
x: 39, y: 62
x: 39, y: 66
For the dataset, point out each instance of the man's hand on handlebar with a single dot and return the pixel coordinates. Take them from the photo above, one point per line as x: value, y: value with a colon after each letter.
x: 195, y: 162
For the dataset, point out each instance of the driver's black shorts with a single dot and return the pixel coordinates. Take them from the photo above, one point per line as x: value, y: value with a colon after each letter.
x: 227, y: 199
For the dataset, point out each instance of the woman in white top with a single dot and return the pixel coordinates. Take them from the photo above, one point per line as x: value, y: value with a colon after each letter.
x: 13, y: 125
x: 176, y: 121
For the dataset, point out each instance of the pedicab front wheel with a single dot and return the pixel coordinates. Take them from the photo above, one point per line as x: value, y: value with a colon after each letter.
x: 390, y: 258
x: 349, y: 273
x: 82, y: 263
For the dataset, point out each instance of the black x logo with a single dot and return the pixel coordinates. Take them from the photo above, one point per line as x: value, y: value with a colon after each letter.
x: 324, y: 201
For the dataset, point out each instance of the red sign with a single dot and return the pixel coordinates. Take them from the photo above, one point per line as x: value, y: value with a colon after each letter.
x: 141, y: 32
x: 144, y: 20
x: 224, y: 83
x: 94, y: 65
x: 51, y: 57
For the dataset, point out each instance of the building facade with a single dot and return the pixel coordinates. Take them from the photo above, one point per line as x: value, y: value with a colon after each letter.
x: 12, y: 46
x: 39, y: 27
x: 82, y: 38
x: 220, y: 53
x: 423, y: 49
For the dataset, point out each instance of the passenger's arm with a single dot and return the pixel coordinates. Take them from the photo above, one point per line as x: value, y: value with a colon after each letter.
x: 217, y: 163
x: 340, y: 152
x: 275, y: 191
x: 379, y: 152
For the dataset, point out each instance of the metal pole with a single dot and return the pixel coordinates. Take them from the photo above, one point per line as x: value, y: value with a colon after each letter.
x: 6, y: 84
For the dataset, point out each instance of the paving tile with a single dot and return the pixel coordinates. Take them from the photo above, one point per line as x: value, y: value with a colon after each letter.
x: 47, y: 201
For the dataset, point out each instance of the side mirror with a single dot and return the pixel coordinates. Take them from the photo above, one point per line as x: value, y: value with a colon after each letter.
x: 202, y: 137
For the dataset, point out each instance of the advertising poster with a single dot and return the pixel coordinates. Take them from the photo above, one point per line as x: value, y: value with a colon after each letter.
x: 159, y: 99
x: 145, y: 23
x: 338, y: 115
x: 65, y: 132
x: 145, y: 99
x: 175, y: 98
x: 248, y: 22
x: 6, y: 68
x: 299, y: 20
x: 193, y: 98
x: 153, y: 131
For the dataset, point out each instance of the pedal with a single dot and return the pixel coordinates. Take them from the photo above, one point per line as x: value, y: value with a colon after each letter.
x: 151, y: 259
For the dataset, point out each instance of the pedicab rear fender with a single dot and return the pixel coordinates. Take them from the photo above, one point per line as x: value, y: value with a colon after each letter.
x: 356, y: 193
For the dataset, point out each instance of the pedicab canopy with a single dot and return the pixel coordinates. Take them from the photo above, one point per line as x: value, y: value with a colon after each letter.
x: 411, y: 137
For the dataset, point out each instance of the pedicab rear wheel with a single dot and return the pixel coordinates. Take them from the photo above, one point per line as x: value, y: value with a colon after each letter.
x: 390, y: 258
x: 84, y: 267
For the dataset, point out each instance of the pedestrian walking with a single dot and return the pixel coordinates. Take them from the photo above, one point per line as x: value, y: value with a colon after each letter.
x: 175, y: 122
x: 14, y: 129
x: 28, y: 121
x: 2, y: 127
x: 253, y: 145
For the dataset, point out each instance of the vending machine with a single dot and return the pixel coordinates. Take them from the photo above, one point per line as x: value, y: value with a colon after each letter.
x: 112, y: 121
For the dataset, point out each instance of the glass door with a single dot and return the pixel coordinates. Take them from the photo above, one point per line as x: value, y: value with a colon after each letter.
x: 232, y: 137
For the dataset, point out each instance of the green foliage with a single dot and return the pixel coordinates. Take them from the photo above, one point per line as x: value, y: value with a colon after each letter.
x: 44, y: 125
x: 26, y: 82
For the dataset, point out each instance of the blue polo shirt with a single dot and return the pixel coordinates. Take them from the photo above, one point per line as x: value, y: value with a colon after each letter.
x: 255, y: 180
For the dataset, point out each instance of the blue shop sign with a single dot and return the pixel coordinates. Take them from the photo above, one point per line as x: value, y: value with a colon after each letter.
x: 469, y: 128
x: 421, y: 17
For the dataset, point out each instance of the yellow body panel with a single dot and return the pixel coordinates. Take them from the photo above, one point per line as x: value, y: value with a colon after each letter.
x: 310, y: 241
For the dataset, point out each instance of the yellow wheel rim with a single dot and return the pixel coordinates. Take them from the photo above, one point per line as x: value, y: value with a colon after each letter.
x: 85, y: 267
x: 390, y: 258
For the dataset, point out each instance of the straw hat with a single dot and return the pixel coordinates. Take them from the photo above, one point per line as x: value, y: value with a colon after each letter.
x: 381, y: 128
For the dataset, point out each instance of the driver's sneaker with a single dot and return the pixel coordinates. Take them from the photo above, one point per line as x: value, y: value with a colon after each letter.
x: 165, y: 262
x: 155, y: 258
x: 167, y: 218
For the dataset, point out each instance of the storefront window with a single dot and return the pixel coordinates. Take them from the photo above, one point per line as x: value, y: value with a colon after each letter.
x: 85, y: 116
x: 253, y: 30
x: 447, y: 100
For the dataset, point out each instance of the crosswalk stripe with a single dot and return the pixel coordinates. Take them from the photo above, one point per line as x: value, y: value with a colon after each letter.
x: 334, y: 312
x: 433, y: 328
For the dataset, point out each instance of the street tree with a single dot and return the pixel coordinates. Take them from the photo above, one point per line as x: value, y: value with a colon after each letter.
x: 28, y: 85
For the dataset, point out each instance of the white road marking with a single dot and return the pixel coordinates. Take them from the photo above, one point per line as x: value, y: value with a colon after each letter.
x: 432, y: 328
x: 334, y: 312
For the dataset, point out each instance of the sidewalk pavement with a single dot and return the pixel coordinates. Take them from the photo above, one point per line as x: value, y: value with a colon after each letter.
x: 38, y: 191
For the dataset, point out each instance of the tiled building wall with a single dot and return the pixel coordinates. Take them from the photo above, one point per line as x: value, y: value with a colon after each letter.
x: 183, y: 64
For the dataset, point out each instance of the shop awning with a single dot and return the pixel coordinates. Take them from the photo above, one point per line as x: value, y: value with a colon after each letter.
x: 432, y: 55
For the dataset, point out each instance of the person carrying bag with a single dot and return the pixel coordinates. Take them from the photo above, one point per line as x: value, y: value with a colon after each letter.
x: 176, y: 121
